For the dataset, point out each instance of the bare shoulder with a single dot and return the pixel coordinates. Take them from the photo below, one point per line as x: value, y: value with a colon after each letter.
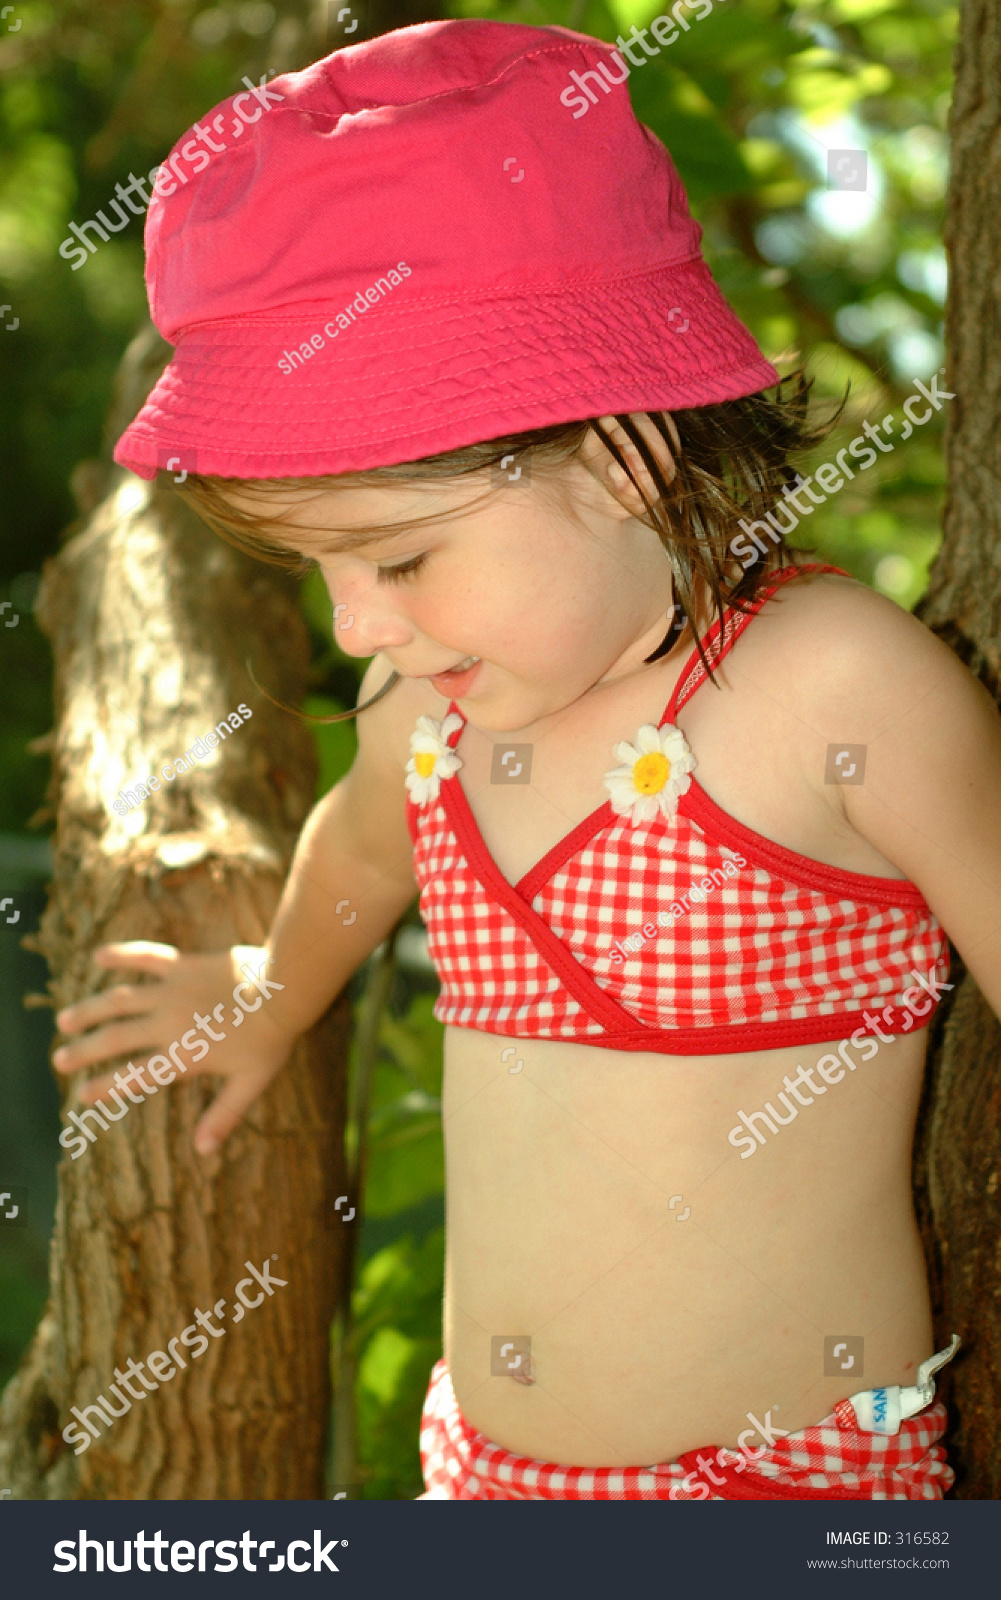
x: 837, y: 668
x: 837, y: 643
x: 851, y: 674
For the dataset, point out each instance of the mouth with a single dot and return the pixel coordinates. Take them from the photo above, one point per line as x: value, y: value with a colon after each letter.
x: 460, y: 666
x: 455, y: 680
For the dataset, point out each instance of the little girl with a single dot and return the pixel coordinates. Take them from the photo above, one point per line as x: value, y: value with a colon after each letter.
x: 687, y: 830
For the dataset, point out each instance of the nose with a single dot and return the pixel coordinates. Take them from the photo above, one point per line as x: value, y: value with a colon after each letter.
x: 367, y: 619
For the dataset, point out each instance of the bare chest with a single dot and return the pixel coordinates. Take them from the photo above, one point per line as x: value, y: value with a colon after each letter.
x: 528, y: 791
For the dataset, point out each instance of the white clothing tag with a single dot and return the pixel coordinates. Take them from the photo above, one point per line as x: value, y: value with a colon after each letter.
x: 878, y: 1410
x: 883, y: 1410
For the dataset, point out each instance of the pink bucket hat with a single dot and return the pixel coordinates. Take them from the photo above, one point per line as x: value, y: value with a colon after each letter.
x: 413, y: 245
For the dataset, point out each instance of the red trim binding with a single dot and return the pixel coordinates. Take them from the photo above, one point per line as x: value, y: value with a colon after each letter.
x: 699, y: 806
x: 621, y: 1028
x: 802, y: 870
x: 599, y: 1006
x: 564, y: 850
x: 741, y: 619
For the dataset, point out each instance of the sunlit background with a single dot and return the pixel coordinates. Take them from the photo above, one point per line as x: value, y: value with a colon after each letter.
x: 812, y: 141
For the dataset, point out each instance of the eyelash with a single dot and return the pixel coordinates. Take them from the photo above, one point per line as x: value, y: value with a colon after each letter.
x: 406, y: 569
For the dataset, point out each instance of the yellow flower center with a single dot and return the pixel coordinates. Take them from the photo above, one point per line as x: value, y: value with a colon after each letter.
x: 651, y: 772
x: 424, y: 761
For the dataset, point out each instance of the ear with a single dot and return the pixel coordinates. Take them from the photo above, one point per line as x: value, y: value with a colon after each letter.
x: 600, y: 462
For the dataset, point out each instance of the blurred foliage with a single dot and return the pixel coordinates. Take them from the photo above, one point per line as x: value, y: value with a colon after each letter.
x: 398, y: 1297
x: 750, y: 100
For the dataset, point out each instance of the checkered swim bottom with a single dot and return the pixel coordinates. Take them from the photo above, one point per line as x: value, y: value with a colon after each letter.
x: 831, y: 1460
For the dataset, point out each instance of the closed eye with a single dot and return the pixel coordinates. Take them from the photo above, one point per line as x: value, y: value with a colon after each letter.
x: 406, y: 569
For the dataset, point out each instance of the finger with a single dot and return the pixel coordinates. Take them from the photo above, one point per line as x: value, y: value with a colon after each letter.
x: 95, y: 1088
x: 138, y: 955
x: 134, y: 1075
x: 137, y: 1075
x: 656, y: 448
x: 228, y: 1109
x: 667, y: 418
x: 123, y: 1038
x: 124, y: 1000
x: 634, y: 458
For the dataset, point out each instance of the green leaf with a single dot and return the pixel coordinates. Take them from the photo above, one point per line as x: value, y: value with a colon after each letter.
x: 384, y: 1364
x: 416, y: 1043
x: 336, y: 744
x: 404, y: 1169
x: 317, y: 606
x: 707, y: 157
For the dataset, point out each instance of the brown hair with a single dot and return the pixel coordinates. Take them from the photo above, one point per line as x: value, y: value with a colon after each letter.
x: 733, y: 463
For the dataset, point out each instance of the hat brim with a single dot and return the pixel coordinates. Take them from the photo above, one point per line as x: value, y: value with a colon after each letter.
x: 414, y: 375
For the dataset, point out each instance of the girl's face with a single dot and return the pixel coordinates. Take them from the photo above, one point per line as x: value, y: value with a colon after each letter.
x: 553, y: 584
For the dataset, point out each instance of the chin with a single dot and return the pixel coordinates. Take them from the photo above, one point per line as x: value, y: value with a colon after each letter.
x: 503, y: 718
x: 489, y: 720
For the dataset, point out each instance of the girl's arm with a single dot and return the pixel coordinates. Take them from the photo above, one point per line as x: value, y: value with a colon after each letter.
x: 931, y: 797
x: 352, y: 873
x: 351, y: 878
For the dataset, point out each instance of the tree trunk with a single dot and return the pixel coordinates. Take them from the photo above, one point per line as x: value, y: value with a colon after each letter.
x: 960, y: 1128
x: 152, y: 618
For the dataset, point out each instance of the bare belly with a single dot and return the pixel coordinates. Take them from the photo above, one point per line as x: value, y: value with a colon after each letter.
x: 655, y: 1327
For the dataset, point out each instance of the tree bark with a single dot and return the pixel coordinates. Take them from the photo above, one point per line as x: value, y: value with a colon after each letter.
x: 959, y: 1143
x: 152, y: 618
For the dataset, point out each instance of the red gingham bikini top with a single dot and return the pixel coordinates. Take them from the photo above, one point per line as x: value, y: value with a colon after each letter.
x: 688, y: 934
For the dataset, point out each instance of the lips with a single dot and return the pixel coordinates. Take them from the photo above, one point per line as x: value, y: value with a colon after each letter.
x: 460, y: 666
x: 456, y: 681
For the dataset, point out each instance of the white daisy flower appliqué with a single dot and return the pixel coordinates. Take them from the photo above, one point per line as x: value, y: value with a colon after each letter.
x: 430, y: 758
x: 654, y: 775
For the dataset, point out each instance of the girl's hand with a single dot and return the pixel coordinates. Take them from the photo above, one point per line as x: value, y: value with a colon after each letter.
x: 193, y: 1004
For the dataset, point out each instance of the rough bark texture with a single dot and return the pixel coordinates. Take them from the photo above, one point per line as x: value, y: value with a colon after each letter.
x: 152, y: 618
x: 959, y: 1143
